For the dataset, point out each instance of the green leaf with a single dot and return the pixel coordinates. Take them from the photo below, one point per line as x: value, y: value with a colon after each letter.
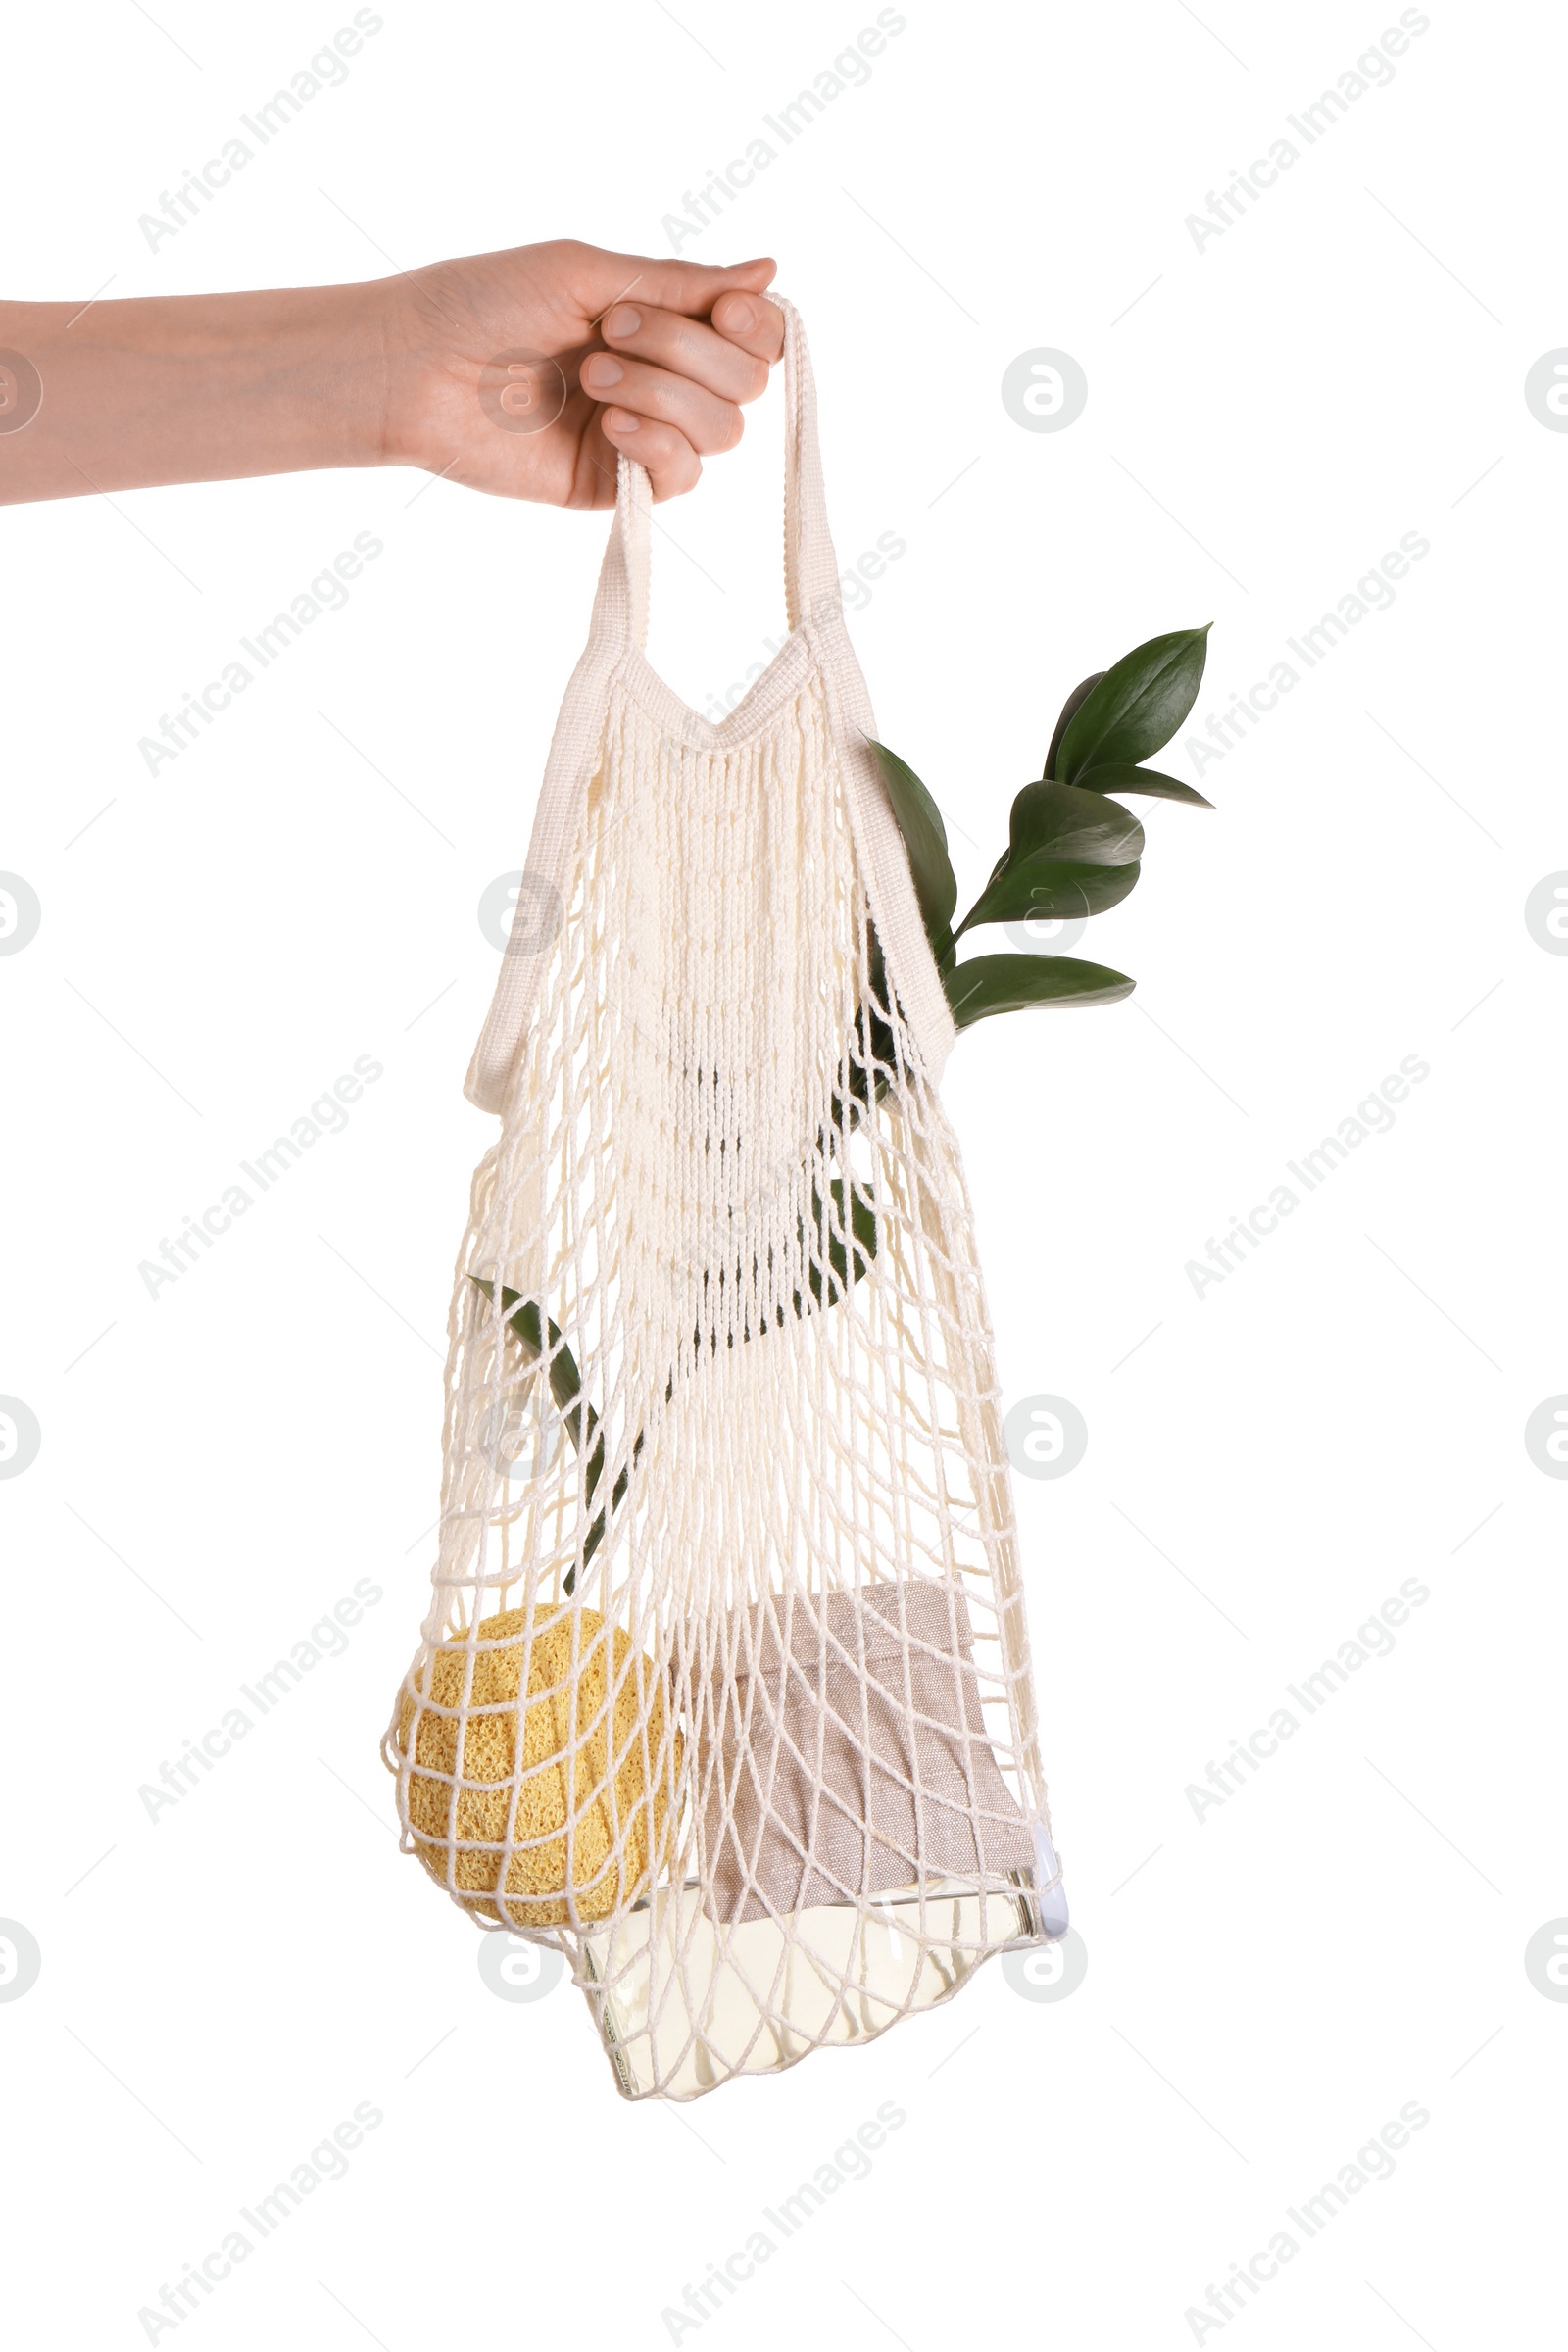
x: 1138, y: 704
x: 871, y: 1058
x: 1043, y: 886
x: 1077, y: 696
x: 1141, y: 779
x: 989, y: 984
x: 847, y: 1260
x: 521, y: 1317
x: 925, y: 837
x: 618, y: 1495
x: 1073, y: 823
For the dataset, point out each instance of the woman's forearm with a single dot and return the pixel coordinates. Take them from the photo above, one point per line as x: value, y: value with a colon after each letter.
x: 527, y: 374
x: 191, y: 388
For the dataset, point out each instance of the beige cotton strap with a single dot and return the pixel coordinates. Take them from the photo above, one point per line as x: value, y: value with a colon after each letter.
x: 810, y: 567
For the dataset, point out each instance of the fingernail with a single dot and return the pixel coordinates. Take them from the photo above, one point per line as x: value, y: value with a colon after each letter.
x: 740, y: 316
x: 620, y: 420
x: 623, y: 320
x: 600, y: 371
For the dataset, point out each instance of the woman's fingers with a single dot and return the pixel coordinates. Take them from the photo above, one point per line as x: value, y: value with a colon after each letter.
x: 693, y: 287
x: 673, y: 385
x: 707, y: 421
x: 686, y: 347
x: 756, y: 325
x: 672, y: 462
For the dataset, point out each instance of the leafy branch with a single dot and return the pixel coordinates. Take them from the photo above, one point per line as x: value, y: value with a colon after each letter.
x: 521, y: 1317
x: 1072, y: 849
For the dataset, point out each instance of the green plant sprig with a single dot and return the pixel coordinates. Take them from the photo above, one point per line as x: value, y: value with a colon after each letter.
x: 521, y: 1317
x: 1072, y: 849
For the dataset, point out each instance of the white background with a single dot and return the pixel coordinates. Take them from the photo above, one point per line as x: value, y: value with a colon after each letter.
x: 1267, y: 1985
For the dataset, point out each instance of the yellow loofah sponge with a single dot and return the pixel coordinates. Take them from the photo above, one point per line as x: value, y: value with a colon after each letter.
x: 571, y: 1741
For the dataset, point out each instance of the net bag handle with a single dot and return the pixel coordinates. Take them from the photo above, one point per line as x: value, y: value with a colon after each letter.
x: 810, y: 567
x: 619, y: 625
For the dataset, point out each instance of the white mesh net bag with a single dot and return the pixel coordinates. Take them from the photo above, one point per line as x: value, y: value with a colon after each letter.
x: 725, y: 1690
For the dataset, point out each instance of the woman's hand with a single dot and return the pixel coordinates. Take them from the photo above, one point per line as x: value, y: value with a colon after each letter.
x: 524, y: 373
x: 521, y: 373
